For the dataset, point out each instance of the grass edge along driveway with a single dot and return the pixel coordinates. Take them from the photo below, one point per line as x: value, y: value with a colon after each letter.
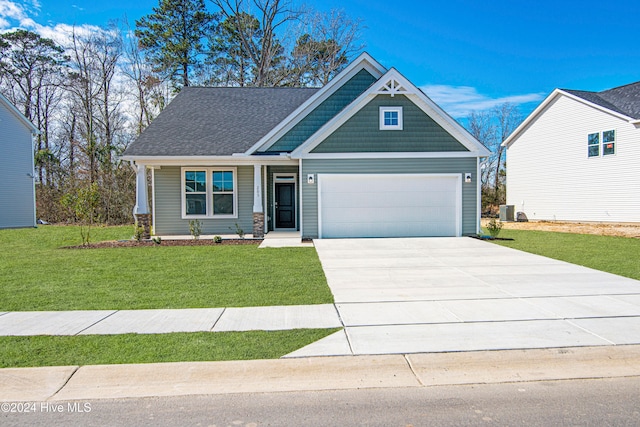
x: 616, y: 255
x: 36, y: 274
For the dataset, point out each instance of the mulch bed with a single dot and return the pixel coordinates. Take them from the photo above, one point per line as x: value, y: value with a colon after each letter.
x: 189, y: 242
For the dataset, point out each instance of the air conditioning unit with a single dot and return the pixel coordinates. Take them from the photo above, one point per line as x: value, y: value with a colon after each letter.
x: 506, y: 213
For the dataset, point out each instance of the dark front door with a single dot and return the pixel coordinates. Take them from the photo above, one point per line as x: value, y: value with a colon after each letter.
x: 285, y: 205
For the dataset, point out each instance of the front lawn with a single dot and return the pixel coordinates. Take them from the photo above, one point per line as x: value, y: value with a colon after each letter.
x: 153, y: 348
x: 35, y: 274
x: 617, y: 255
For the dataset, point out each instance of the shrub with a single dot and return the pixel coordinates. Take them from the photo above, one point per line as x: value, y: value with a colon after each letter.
x: 195, y: 228
x: 494, y: 227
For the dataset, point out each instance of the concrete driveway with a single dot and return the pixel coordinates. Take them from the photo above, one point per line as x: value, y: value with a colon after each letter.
x: 461, y: 294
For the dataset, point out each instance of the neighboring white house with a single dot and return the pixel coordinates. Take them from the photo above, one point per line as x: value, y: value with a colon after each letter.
x: 17, y: 192
x: 577, y: 157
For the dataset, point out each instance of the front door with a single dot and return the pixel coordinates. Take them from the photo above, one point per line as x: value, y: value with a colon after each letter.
x: 285, y: 205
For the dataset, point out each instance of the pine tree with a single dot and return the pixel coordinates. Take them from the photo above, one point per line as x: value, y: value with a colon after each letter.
x: 173, y: 37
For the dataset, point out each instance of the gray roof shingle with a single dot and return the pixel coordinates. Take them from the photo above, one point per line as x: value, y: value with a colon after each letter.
x: 217, y: 121
x: 623, y: 99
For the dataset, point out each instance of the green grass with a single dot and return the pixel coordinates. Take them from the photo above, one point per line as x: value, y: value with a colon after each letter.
x: 153, y: 348
x: 35, y: 274
x: 617, y: 255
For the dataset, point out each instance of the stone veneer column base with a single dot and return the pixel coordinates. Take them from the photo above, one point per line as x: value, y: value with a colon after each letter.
x: 144, y: 221
x: 258, y: 225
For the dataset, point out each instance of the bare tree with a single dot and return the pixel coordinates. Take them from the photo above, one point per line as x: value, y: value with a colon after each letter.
x: 508, y: 118
x: 324, y: 48
x: 31, y: 71
x: 148, y: 87
x: 491, y: 128
x: 261, y: 46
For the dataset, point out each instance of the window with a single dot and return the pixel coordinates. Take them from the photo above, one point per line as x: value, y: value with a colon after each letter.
x: 209, y: 193
x: 222, y: 192
x: 608, y: 142
x: 594, y: 144
x: 390, y: 118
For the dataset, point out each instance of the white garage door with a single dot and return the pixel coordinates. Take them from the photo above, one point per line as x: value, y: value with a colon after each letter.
x: 389, y: 205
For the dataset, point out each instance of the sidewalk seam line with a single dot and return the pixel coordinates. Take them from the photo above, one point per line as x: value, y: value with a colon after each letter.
x: 344, y: 328
x: 218, y: 319
x: 96, y: 322
x: 413, y: 371
x: 569, y: 321
x: 65, y: 383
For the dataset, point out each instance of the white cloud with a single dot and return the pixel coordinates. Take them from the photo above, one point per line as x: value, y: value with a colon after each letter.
x: 14, y: 15
x: 11, y: 12
x: 460, y: 101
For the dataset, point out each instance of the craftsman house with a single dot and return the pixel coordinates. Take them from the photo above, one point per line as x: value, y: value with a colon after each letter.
x: 367, y: 155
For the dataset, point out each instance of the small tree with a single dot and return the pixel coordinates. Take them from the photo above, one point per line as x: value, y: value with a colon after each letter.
x: 83, y: 202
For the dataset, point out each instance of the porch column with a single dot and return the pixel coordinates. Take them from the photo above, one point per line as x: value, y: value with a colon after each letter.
x: 258, y: 210
x: 141, y: 209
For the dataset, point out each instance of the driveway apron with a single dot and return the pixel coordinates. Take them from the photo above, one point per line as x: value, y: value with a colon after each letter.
x: 418, y: 295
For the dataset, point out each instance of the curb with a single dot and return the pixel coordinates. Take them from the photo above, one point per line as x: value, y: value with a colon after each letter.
x: 317, y: 373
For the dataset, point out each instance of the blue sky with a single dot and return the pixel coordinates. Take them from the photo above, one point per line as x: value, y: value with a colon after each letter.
x: 465, y: 54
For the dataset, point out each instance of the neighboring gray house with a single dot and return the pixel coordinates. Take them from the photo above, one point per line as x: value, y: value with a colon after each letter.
x: 17, y: 192
x: 368, y: 155
x: 577, y: 156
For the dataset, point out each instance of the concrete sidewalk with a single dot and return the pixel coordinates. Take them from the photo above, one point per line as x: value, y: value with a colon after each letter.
x: 108, y: 322
x: 323, y: 373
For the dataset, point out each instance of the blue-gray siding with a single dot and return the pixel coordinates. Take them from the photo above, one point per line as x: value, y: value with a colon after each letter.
x: 17, y: 200
x: 361, y: 133
x: 413, y: 165
x: 324, y: 112
x: 168, y: 208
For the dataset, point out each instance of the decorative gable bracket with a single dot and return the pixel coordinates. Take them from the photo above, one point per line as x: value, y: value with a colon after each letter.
x: 391, y: 87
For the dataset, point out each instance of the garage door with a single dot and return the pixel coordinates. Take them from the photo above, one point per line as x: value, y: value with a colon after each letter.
x: 389, y: 205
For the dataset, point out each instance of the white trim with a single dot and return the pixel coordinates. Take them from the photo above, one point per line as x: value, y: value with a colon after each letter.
x: 458, y: 195
x: 478, y: 198
x: 258, y: 206
x: 391, y: 87
x: 301, y: 224
x: 153, y: 201
x: 209, y: 192
x: 543, y: 105
x: 142, y: 198
x: 265, y: 200
x: 293, y: 175
x: 395, y: 155
x: 383, y: 125
x: 416, y: 96
x: 364, y: 61
x: 212, y: 160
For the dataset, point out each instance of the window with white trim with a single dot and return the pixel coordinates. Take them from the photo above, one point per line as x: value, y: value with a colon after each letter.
x: 608, y: 140
x: 593, y: 141
x: 390, y: 118
x: 209, y: 193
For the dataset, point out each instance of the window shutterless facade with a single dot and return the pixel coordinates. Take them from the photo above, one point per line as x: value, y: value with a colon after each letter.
x: 390, y: 118
x: 209, y: 193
